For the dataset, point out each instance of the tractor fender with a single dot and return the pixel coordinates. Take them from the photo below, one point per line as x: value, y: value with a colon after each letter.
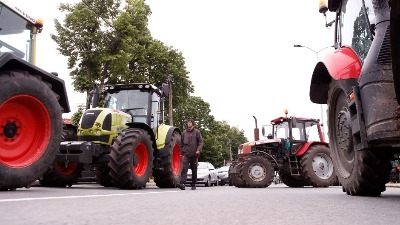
x: 343, y: 65
x: 164, y: 136
x: 9, y: 61
x: 307, y: 145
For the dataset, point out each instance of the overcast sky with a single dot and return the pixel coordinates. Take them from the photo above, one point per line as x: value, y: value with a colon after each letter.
x: 240, y: 54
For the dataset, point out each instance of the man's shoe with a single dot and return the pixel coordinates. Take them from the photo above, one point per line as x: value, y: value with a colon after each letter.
x: 181, y: 186
x: 193, y: 187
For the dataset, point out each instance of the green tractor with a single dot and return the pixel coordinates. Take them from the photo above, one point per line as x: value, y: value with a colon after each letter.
x: 125, y: 142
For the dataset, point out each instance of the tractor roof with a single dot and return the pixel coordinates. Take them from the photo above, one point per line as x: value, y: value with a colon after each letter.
x: 18, y: 11
x: 284, y: 119
x: 135, y: 86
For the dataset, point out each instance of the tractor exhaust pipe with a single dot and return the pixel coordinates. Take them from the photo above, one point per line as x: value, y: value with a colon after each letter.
x: 256, y: 131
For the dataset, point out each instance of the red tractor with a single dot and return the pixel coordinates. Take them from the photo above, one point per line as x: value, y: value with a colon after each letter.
x: 31, y: 102
x: 360, y: 82
x: 295, y: 149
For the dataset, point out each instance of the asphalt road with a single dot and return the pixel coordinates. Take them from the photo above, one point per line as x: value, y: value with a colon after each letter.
x: 277, y: 204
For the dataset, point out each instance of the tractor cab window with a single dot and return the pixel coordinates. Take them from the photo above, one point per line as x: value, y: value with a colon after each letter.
x: 298, y: 132
x: 155, y: 109
x: 282, y: 130
x: 312, y: 132
x: 354, y: 26
x: 134, y: 102
x: 15, y: 34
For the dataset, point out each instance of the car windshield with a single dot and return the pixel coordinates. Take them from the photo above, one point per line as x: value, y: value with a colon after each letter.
x: 202, y: 166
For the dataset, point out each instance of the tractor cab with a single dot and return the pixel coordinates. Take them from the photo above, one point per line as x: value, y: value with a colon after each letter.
x: 142, y: 101
x: 18, y: 32
x: 297, y: 129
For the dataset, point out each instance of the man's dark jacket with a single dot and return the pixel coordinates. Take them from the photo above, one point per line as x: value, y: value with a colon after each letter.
x: 191, y: 142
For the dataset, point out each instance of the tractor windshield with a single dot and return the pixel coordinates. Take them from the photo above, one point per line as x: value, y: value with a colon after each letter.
x: 134, y: 102
x: 15, y: 34
x: 304, y: 131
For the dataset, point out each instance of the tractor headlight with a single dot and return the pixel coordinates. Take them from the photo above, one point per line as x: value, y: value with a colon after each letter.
x: 98, y: 132
x: 98, y: 125
x: 90, y: 131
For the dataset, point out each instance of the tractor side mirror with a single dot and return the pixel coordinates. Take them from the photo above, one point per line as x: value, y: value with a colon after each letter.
x: 263, y: 131
x: 165, y: 90
x: 294, y: 122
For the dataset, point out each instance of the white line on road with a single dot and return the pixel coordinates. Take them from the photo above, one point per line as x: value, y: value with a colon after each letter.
x: 81, y: 196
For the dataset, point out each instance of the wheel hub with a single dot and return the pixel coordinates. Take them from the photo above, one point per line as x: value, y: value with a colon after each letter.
x: 323, y: 166
x: 257, y: 172
x: 345, y: 142
x: 10, y: 129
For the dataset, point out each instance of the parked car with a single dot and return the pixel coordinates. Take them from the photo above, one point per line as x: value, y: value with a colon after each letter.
x: 206, y: 174
x: 223, y: 176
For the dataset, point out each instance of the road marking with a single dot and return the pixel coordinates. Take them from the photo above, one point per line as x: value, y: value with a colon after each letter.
x: 81, y: 196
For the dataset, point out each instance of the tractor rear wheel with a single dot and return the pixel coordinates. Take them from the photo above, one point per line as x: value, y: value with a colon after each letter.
x: 360, y: 172
x: 257, y: 172
x: 291, y: 181
x: 234, y: 177
x: 317, y: 166
x: 170, y: 176
x: 62, y: 175
x: 131, y: 159
x: 30, y: 128
x: 103, y: 176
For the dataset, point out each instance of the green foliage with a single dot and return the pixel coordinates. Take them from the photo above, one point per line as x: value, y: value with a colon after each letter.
x: 108, y: 44
x: 77, y: 115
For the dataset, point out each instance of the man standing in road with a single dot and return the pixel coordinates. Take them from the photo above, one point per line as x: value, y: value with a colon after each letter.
x: 192, y: 143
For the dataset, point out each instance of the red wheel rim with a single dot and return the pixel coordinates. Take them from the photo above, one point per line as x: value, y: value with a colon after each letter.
x: 25, y: 130
x: 67, y: 169
x: 176, y: 159
x: 142, y: 159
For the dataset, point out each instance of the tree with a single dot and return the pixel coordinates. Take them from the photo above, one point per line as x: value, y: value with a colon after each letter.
x: 107, y: 44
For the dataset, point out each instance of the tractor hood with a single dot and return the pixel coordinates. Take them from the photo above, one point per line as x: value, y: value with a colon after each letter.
x: 246, y: 147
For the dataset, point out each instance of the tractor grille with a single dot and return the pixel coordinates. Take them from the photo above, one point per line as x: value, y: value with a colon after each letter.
x: 89, y: 117
x: 384, y: 56
x: 107, y: 122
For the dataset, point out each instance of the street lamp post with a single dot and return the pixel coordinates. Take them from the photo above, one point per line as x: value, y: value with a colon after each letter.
x: 316, y: 52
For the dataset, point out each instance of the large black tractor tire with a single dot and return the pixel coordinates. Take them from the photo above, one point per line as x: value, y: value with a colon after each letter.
x: 62, y: 175
x: 172, y: 165
x: 235, y: 177
x: 317, y: 166
x: 257, y: 172
x: 131, y: 159
x: 30, y: 128
x: 103, y: 176
x: 360, y: 172
x: 291, y: 181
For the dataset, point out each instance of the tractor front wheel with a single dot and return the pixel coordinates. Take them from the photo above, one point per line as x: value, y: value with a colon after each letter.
x: 62, y: 174
x: 360, y: 172
x: 235, y: 178
x: 257, y: 172
x: 131, y: 159
x: 103, y: 176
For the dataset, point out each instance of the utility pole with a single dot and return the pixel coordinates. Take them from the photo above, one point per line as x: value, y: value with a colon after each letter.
x: 170, y: 118
x: 230, y: 149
